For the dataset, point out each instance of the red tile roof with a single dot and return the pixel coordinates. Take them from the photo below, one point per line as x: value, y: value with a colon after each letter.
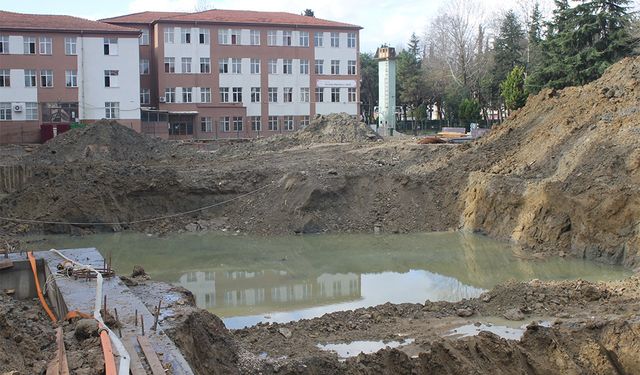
x: 231, y: 16
x: 142, y: 17
x: 47, y: 22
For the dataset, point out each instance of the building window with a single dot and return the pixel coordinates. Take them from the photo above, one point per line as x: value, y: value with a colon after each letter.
x: 255, y: 95
x: 204, y: 37
x: 45, y: 45
x: 304, y: 122
x: 110, y: 46
x: 286, y: 38
x: 225, y: 124
x: 351, y: 67
x: 110, y: 78
x: 186, y: 65
x: 144, y: 66
x: 145, y: 96
x: 5, y: 111
x: 304, y: 39
x: 335, y: 40
x: 205, y: 65
x: 29, y: 78
x: 335, y: 95
x: 206, y: 125
x: 288, y: 94
x: 170, y: 95
x: 272, y: 38
x: 205, y: 95
x: 287, y: 66
x: 5, y: 78
x: 29, y: 45
x: 185, y: 35
x: 112, y: 110
x: 319, y: 66
x: 304, y: 95
x: 304, y: 67
x: 224, y: 95
x: 237, y: 124
x: 70, y: 46
x: 273, y: 123
x: 187, y: 95
x: 351, y: 95
x: 319, y: 94
x: 318, y: 39
x: 46, y: 78
x: 181, y: 128
x: 168, y: 35
x: 256, y: 123
x: 335, y: 67
x: 272, y: 94
x: 236, y: 37
x: 31, y: 111
x: 169, y: 64
x: 4, y: 44
x: 71, y: 78
x: 223, y: 36
x: 288, y: 123
x: 351, y: 40
x: 236, y: 94
x: 273, y: 66
x: 144, y: 37
x: 254, y: 37
x: 223, y: 65
x: 255, y: 66
x: 236, y: 66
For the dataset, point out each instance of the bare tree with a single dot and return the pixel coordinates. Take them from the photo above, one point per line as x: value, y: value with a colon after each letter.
x: 203, y: 5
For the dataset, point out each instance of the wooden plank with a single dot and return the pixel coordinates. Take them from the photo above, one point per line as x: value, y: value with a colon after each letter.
x: 59, y: 365
x: 152, y: 357
x: 136, y: 364
x: 5, y: 263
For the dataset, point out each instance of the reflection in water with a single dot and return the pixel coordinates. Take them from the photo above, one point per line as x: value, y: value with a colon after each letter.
x: 248, y: 279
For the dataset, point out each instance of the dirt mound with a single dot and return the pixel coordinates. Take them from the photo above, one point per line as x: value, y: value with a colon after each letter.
x: 333, y: 128
x: 104, y: 141
x: 568, y: 171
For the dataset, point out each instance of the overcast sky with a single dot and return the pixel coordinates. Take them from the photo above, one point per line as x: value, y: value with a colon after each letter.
x: 384, y: 21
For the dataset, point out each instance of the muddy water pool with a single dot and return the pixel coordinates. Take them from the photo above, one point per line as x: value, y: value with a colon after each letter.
x: 246, y: 279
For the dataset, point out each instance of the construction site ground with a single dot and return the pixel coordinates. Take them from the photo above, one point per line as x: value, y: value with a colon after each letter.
x: 560, y: 178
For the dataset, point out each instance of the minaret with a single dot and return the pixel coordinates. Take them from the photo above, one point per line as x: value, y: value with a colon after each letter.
x: 387, y: 90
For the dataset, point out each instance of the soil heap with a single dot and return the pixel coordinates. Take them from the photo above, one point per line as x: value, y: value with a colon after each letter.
x: 104, y: 141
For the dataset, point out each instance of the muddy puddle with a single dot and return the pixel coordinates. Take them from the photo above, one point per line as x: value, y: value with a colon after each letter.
x: 246, y: 280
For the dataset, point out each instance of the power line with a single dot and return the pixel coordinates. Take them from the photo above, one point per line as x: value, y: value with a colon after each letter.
x: 33, y: 221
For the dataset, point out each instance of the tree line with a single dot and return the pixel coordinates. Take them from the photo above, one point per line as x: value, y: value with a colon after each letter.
x: 465, y: 69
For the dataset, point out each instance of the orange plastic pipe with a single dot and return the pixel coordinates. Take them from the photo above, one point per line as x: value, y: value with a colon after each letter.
x: 32, y: 260
x: 109, y: 360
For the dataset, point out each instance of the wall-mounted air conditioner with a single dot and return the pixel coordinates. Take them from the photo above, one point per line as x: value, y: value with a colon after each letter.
x: 17, y: 107
x: 162, y: 99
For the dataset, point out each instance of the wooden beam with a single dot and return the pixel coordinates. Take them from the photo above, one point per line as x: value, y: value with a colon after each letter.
x: 59, y: 365
x: 6, y: 263
x: 152, y: 357
x: 136, y: 364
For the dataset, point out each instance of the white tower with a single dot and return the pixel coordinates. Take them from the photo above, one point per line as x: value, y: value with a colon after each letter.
x: 387, y: 90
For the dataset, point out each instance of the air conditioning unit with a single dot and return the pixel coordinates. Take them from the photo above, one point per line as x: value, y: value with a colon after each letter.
x: 162, y: 99
x: 17, y: 107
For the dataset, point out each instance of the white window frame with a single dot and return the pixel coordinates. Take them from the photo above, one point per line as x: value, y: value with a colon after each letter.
x: 169, y: 35
x: 30, y: 78
x: 4, y: 44
x: 169, y: 64
x: 272, y: 122
x: 255, y: 66
x: 254, y: 37
x: 71, y: 78
x: 223, y: 36
x: 29, y: 44
x: 272, y: 66
x: 351, y: 40
x: 205, y: 65
x: 186, y: 64
x: 185, y: 35
x: 236, y: 94
x: 112, y: 110
x: 5, y: 111
x: 236, y: 66
x: 335, y: 39
x: 255, y: 95
x: 110, y: 47
x: 145, y: 96
x: 46, y: 77
x: 272, y: 94
x: 205, y: 95
x: 319, y: 95
x: 111, y: 78
x: 225, y: 124
x: 238, y: 123
x: 31, y: 111
x: 304, y: 66
x: 143, y: 39
x: 287, y: 95
x: 206, y: 124
x: 224, y: 95
x: 305, y: 95
x: 70, y: 46
x: 287, y: 38
x: 187, y: 95
x: 272, y: 37
x: 319, y: 67
x: 351, y: 67
x: 335, y: 95
x: 235, y: 37
x: 5, y: 78
x: 256, y: 123
x: 45, y: 45
x: 145, y: 67
x: 204, y: 36
x: 287, y: 66
x: 335, y: 67
x: 303, y: 39
x: 170, y: 95
x: 318, y: 39
x: 305, y: 121
x: 352, y: 95
x: 288, y: 123
x: 223, y: 65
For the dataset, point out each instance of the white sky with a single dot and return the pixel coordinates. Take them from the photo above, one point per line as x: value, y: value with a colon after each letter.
x: 384, y: 21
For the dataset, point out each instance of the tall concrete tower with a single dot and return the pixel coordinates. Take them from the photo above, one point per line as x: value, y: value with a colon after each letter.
x: 387, y: 90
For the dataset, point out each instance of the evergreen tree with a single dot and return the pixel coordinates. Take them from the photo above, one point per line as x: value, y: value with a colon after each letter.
x: 512, y: 89
x: 414, y: 46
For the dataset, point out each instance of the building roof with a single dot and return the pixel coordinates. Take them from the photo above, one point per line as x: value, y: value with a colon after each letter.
x: 142, y: 17
x: 232, y: 17
x: 48, y: 22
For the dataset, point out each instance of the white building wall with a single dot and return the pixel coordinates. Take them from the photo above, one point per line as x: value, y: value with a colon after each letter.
x: 195, y: 50
x: 16, y: 45
x: 328, y: 53
x: 17, y: 92
x: 91, y: 66
x: 387, y: 93
x: 246, y: 80
x: 296, y: 81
